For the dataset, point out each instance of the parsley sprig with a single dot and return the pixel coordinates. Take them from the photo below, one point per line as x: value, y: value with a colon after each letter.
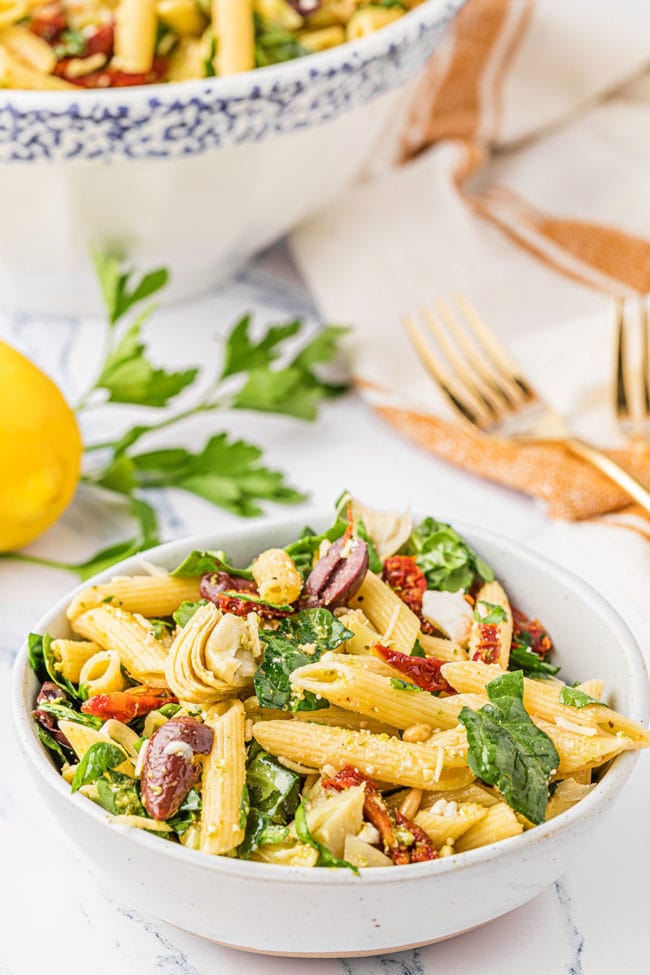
x: 267, y: 371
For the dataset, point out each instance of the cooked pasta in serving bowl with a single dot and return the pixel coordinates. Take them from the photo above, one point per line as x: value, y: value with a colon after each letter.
x: 375, y: 718
x: 187, y: 133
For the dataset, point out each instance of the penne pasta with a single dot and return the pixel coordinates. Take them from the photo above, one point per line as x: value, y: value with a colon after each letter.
x: 224, y: 777
x: 147, y: 595
x: 71, y: 655
x: 132, y: 636
x: 499, y: 823
x: 389, y: 616
x: 446, y: 821
x: 102, y: 673
x: 234, y: 26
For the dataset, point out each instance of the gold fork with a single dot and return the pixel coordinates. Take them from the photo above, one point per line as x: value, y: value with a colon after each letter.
x: 488, y: 391
x: 632, y: 379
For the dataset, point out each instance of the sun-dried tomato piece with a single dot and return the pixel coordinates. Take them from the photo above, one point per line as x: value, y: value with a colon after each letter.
x: 406, y: 578
x: 113, y: 78
x: 127, y: 705
x: 101, y: 41
x: 49, y: 22
x: 423, y: 671
x: 389, y: 823
x: 539, y: 641
x: 488, y: 647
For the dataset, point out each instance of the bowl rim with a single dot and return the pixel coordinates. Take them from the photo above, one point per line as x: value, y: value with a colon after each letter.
x: 592, y: 805
x: 254, y: 82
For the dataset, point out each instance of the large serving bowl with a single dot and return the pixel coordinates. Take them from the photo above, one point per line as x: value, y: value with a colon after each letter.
x: 293, y: 910
x: 198, y: 175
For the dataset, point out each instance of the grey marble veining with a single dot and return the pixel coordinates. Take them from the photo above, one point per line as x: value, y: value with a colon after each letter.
x: 56, y: 915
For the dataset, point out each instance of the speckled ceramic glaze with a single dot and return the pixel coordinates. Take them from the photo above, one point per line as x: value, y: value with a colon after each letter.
x: 308, y: 912
x: 196, y: 175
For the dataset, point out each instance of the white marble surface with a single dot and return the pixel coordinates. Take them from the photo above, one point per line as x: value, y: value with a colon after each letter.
x: 57, y: 916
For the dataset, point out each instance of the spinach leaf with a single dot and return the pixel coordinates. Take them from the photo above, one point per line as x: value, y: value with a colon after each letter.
x: 375, y: 564
x: 120, y: 795
x: 43, y: 662
x: 272, y: 788
x: 494, y: 614
x: 197, y: 563
x: 303, y: 550
x: 447, y: 561
x: 297, y: 641
x: 575, y: 698
x: 62, y: 712
x: 325, y: 857
x: 186, y: 611
x: 270, y: 799
x: 508, y: 750
x: 51, y: 743
x: 418, y: 650
x: 251, y: 598
x: 99, y: 758
x: 524, y: 659
x: 188, y: 813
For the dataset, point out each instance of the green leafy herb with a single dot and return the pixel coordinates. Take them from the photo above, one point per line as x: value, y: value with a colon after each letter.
x: 418, y: 650
x: 242, y: 353
x: 99, y: 758
x: 447, y: 561
x: 573, y: 697
x: 71, y: 44
x: 274, y: 44
x: 119, y: 794
x: 197, y: 563
x: 271, y: 796
x: 403, y: 685
x: 208, y: 64
x: 226, y: 472
x: 44, y: 663
x: 129, y: 377
x: 186, y: 611
x: 62, y: 712
x: 494, y: 614
x: 525, y: 659
x: 508, y: 750
x: 305, y: 548
x: 298, y: 641
x: 115, y: 284
x: 169, y: 710
x: 188, y: 813
x: 296, y: 389
x: 257, y: 600
x: 325, y: 857
x: 51, y: 743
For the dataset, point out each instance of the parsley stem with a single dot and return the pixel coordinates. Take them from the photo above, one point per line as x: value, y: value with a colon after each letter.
x: 205, y: 406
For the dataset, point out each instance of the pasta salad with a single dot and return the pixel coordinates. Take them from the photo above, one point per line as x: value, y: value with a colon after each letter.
x: 363, y: 697
x: 69, y: 44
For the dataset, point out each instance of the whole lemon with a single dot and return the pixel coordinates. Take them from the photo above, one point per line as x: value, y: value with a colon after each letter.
x: 40, y: 450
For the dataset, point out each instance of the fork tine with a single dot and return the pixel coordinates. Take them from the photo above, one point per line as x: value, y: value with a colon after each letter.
x: 500, y: 389
x: 467, y: 406
x: 508, y: 370
x: 621, y: 401
x: 467, y: 376
x: 645, y: 355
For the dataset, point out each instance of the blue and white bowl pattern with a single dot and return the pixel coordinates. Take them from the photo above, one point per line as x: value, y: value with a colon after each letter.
x: 191, y: 118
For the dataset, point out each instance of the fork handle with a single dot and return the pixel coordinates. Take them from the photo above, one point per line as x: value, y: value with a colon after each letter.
x: 613, y: 471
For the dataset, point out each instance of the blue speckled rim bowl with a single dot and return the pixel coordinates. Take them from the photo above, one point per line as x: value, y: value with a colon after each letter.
x: 188, y: 118
x: 283, y: 529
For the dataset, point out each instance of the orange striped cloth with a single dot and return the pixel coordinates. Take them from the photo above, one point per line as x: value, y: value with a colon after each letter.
x: 517, y: 175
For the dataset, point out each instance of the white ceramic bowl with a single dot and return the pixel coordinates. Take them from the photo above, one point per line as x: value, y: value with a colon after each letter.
x: 292, y: 910
x: 196, y: 176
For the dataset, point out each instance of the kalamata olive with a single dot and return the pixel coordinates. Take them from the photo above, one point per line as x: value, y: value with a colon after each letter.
x: 338, y: 575
x: 168, y: 769
x: 51, y: 692
x: 213, y: 583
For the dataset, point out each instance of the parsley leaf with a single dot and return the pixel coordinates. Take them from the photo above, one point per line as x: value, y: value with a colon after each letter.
x: 114, y: 283
x: 573, y: 697
x: 129, y: 376
x: 242, y: 354
x: 226, y: 472
x: 508, y: 750
x: 403, y: 685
